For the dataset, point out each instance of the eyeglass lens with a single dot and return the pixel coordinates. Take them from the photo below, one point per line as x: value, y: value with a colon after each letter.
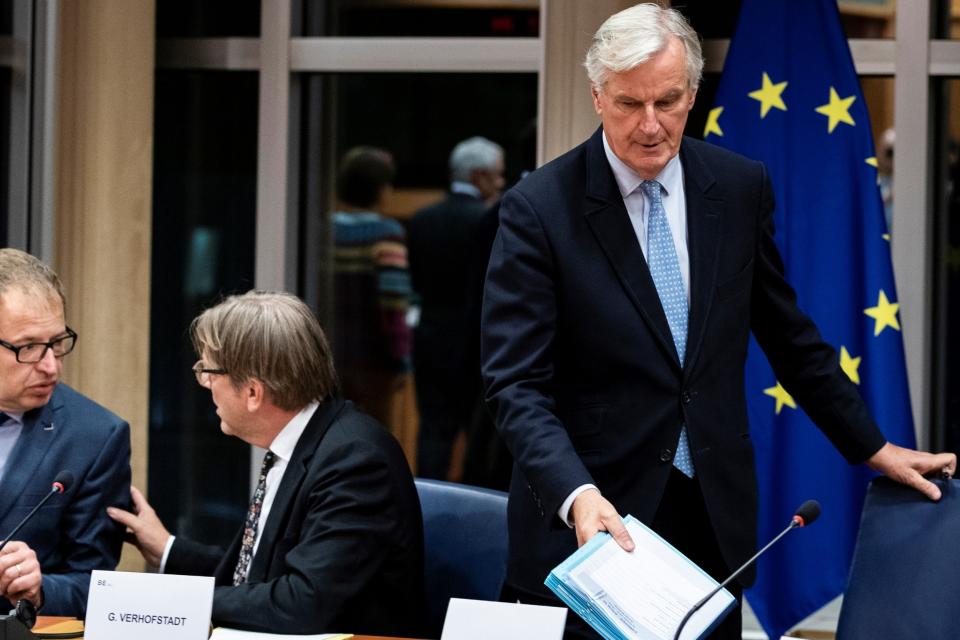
x: 35, y: 352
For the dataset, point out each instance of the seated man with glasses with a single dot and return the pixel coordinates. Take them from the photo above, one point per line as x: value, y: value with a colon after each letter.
x: 45, y: 428
x: 333, y: 539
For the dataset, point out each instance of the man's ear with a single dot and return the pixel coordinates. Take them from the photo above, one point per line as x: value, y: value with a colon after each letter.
x: 595, y: 94
x: 254, y: 394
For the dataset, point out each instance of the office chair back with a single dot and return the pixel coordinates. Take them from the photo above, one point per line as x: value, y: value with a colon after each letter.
x: 903, y: 581
x: 465, y: 545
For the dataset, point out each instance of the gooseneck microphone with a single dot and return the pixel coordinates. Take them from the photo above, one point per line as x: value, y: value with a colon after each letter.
x: 807, y: 513
x: 61, y: 483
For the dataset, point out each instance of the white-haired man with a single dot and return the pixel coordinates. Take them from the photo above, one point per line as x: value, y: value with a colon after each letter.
x: 449, y: 247
x: 625, y: 281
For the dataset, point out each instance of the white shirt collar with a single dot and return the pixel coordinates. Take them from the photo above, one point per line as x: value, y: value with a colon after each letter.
x: 286, y: 441
x: 458, y: 186
x: 670, y: 178
x: 16, y: 416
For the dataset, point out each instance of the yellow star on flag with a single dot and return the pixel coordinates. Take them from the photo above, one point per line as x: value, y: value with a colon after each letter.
x: 850, y: 365
x: 837, y: 110
x: 769, y: 95
x: 872, y: 161
x: 781, y: 396
x: 885, y: 314
x: 886, y: 236
x: 713, y: 124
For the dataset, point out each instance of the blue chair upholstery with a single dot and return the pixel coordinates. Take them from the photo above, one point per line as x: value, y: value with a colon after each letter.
x: 465, y: 545
x: 903, y: 581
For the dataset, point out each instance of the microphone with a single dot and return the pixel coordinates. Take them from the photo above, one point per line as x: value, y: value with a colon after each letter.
x: 807, y: 513
x: 61, y: 483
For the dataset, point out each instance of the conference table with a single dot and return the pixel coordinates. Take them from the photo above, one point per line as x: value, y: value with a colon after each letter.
x: 57, y: 624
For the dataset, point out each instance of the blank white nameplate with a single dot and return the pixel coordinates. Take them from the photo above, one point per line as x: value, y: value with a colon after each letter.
x: 482, y: 620
x: 148, y: 606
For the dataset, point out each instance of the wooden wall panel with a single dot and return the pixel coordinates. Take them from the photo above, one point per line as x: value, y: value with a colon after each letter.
x: 566, y: 110
x: 103, y: 212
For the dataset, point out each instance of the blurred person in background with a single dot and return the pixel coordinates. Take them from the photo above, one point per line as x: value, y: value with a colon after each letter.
x: 371, y: 339
x: 448, y: 258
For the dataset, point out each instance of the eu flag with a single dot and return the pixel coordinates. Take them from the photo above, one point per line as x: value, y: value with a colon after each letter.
x: 789, y: 96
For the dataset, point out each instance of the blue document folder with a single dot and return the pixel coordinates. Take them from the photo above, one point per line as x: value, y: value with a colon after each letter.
x: 903, y: 581
x: 641, y: 595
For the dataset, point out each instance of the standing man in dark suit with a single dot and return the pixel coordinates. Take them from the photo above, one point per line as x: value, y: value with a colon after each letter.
x: 624, y: 284
x: 447, y: 262
x: 45, y: 428
x: 333, y: 540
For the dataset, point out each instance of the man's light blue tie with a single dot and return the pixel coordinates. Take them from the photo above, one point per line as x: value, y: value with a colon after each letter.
x: 665, y: 270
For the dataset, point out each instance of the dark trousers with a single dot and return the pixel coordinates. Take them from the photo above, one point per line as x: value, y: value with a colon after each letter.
x: 682, y: 520
x: 446, y: 401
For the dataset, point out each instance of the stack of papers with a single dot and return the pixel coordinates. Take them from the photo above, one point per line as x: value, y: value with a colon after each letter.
x: 641, y: 595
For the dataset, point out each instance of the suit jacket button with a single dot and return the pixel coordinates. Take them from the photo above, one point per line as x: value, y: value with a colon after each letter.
x: 685, y: 397
x: 666, y: 455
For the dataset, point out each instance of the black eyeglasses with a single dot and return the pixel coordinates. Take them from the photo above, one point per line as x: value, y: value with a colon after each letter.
x: 203, y: 374
x: 34, y: 352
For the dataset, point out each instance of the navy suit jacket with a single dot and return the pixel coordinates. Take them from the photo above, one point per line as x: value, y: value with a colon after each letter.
x: 342, y: 548
x: 72, y: 534
x: 581, y: 370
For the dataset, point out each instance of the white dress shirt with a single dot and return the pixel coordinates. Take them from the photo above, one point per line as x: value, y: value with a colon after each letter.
x: 282, y: 447
x: 638, y: 206
x: 468, y: 188
x: 674, y: 202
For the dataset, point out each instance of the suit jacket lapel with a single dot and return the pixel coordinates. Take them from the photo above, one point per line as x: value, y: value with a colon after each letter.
x: 290, y: 487
x: 40, y: 431
x: 704, y: 208
x: 610, y: 223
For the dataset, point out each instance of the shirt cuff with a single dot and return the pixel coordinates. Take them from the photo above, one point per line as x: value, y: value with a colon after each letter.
x: 166, y: 552
x: 564, y: 511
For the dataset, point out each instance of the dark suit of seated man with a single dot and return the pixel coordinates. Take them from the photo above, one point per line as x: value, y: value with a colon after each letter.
x: 333, y: 540
x: 45, y: 428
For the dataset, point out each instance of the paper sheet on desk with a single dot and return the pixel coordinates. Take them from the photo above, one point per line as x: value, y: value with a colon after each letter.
x: 641, y: 595
x: 223, y: 633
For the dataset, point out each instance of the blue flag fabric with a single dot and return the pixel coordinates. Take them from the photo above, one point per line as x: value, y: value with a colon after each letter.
x: 789, y: 96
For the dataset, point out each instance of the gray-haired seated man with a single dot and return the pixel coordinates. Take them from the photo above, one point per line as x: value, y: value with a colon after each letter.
x: 333, y: 539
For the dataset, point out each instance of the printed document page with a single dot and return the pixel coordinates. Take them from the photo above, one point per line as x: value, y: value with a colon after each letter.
x: 647, y: 592
x: 224, y: 633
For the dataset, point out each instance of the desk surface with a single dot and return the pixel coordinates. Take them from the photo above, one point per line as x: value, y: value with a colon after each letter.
x: 53, y: 624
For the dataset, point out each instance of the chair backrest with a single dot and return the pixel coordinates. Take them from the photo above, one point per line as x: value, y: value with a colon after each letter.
x: 465, y: 545
x: 903, y: 581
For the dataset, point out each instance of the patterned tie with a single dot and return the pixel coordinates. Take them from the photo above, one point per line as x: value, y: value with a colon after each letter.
x: 665, y: 270
x: 250, y: 525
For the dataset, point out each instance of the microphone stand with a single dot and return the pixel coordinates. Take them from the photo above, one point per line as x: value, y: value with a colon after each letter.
x: 13, y: 626
x: 54, y: 491
x: 796, y: 522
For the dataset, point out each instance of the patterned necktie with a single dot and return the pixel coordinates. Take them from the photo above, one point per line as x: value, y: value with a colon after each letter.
x: 250, y: 524
x: 665, y: 270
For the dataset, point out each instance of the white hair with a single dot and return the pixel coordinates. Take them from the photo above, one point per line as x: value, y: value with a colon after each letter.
x: 629, y: 38
x: 472, y: 154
